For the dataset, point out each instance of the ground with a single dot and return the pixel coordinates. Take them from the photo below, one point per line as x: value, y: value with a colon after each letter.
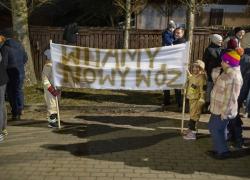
x: 110, y: 140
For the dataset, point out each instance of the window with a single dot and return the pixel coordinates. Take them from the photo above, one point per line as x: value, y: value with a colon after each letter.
x: 216, y: 17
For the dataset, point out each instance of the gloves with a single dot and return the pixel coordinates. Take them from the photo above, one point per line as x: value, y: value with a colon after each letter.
x: 201, y: 101
x: 53, y: 91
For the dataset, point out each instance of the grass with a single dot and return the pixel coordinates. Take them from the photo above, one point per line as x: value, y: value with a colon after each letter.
x: 34, y: 95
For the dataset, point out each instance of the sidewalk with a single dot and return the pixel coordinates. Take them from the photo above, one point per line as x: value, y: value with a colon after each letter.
x: 100, y: 144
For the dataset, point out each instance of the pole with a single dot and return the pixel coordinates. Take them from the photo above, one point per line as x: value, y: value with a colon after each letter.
x: 190, y: 28
x: 58, y: 113
x: 57, y: 103
x: 183, y: 109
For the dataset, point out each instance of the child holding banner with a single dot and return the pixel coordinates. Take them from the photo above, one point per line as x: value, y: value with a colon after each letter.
x: 196, y: 96
x: 50, y: 92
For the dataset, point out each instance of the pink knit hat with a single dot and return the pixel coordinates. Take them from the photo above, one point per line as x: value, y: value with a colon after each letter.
x: 232, y: 58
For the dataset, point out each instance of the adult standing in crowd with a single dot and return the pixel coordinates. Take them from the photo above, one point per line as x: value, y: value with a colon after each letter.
x: 17, y: 58
x: 167, y: 40
x: 239, y: 33
x: 70, y: 33
x: 212, y: 60
x: 179, y: 39
x: 3, y: 82
x: 245, y: 71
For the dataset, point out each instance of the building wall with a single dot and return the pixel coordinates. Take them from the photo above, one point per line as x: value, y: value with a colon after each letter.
x: 233, y: 15
x: 151, y: 18
x: 229, y: 19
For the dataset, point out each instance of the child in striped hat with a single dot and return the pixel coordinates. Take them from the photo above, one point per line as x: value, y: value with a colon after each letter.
x: 224, y: 96
x: 232, y: 57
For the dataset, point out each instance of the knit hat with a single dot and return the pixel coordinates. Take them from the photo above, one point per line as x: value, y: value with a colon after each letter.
x: 216, y: 39
x: 200, y: 63
x: 232, y: 58
x: 232, y: 43
x: 171, y: 24
x: 237, y: 29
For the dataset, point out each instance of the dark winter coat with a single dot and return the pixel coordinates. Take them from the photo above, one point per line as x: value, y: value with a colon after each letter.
x: 167, y: 38
x: 3, y: 65
x: 212, y: 59
x: 17, y: 56
x: 179, y: 41
x: 245, y: 71
x: 70, y: 33
x: 245, y: 63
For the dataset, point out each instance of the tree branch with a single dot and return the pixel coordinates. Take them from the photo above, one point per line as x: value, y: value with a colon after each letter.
x: 5, y: 6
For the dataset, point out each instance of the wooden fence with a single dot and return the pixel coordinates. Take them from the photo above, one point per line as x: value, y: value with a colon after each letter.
x: 108, y: 38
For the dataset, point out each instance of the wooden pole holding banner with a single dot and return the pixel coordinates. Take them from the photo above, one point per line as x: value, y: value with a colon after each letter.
x: 58, y: 113
x: 190, y: 29
x: 183, y: 109
x: 57, y: 104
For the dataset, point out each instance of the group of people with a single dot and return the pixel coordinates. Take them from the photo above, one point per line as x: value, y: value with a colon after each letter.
x: 171, y: 36
x: 12, y: 62
x: 220, y: 82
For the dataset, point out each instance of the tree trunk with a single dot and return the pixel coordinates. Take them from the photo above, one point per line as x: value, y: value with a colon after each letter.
x: 190, y: 25
x: 20, y: 28
x: 127, y: 25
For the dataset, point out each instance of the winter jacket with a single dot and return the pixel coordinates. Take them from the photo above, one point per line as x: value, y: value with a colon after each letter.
x: 47, y: 77
x: 179, y: 41
x: 17, y: 56
x: 167, y: 38
x: 245, y: 72
x: 225, y: 92
x: 212, y: 59
x: 245, y: 63
x: 195, y: 88
x: 3, y: 67
x: 70, y: 32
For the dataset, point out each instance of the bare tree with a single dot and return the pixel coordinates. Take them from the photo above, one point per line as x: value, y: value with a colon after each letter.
x: 33, y: 4
x: 167, y: 9
x: 193, y: 7
x: 129, y: 7
x: 127, y: 24
x: 20, y: 13
x: 20, y: 28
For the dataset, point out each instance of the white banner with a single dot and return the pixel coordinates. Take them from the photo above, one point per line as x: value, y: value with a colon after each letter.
x: 129, y: 69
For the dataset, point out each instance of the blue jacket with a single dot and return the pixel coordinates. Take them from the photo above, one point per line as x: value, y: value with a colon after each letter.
x: 17, y: 56
x: 3, y: 65
x: 167, y: 38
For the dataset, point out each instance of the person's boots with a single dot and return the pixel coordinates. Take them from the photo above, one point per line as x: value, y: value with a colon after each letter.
x: 53, y: 121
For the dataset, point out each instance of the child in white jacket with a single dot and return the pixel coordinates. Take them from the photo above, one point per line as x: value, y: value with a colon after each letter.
x: 50, y: 92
